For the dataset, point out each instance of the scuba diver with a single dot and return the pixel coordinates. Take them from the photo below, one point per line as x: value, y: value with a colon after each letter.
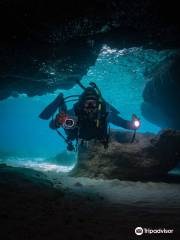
x: 88, y: 119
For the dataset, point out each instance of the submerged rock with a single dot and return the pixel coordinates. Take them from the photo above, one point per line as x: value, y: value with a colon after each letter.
x: 147, y: 157
x: 49, y: 49
x: 162, y: 94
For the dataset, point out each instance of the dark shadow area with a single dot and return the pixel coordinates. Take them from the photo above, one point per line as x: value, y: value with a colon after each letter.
x: 50, y: 45
x: 30, y: 208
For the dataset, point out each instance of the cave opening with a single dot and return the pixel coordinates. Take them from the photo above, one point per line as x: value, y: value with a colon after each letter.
x: 131, y: 50
x: 120, y: 74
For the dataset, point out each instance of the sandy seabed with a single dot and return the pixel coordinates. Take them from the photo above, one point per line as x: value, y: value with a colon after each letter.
x: 50, y: 205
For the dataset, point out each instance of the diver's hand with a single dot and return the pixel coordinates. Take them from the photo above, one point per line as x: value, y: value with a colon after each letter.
x: 135, y: 122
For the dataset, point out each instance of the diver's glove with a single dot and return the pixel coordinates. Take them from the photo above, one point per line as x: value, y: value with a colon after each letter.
x: 135, y: 122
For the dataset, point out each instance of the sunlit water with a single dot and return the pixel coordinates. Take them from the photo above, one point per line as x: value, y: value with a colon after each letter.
x: 120, y: 76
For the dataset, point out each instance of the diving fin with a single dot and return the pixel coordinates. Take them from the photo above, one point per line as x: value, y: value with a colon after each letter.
x: 52, y: 107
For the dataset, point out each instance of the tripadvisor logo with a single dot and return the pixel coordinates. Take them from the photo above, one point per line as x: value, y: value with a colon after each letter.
x: 139, y: 231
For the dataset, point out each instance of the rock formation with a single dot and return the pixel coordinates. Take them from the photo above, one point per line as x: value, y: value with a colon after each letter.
x: 45, y: 46
x: 149, y: 156
x: 162, y: 94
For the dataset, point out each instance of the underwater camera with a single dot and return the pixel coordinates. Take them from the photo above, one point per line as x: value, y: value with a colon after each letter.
x: 69, y: 123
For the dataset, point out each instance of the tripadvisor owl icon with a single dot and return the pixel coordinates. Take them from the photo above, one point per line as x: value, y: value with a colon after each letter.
x: 139, y: 231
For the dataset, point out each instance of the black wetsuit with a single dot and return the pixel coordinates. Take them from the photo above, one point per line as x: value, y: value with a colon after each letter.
x: 87, y: 127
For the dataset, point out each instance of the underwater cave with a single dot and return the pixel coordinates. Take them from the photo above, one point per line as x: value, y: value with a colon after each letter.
x: 133, y: 57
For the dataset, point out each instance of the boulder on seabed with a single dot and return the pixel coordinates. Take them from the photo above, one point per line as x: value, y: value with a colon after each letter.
x: 148, y: 156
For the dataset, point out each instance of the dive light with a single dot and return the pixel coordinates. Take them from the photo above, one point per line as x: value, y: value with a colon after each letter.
x: 135, y: 125
x: 135, y: 121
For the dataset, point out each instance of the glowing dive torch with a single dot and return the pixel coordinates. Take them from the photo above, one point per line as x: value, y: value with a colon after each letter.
x: 135, y: 121
x: 135, y: 124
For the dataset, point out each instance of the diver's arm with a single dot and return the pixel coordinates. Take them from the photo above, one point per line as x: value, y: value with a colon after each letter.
x: 120, y: 122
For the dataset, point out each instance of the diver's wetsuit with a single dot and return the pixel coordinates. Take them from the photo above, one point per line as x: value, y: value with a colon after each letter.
x: 88, y: 128
x: 91, y: 113
x: 112, y: 116
x: 120, y: 122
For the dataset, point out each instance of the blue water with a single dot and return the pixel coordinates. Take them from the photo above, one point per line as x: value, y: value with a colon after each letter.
x: 120, y: 77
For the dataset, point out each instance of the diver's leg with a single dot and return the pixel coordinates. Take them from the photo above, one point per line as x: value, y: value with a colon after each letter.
x: 51, y: 108
x: 63, y: 106
x: 52, y: 124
